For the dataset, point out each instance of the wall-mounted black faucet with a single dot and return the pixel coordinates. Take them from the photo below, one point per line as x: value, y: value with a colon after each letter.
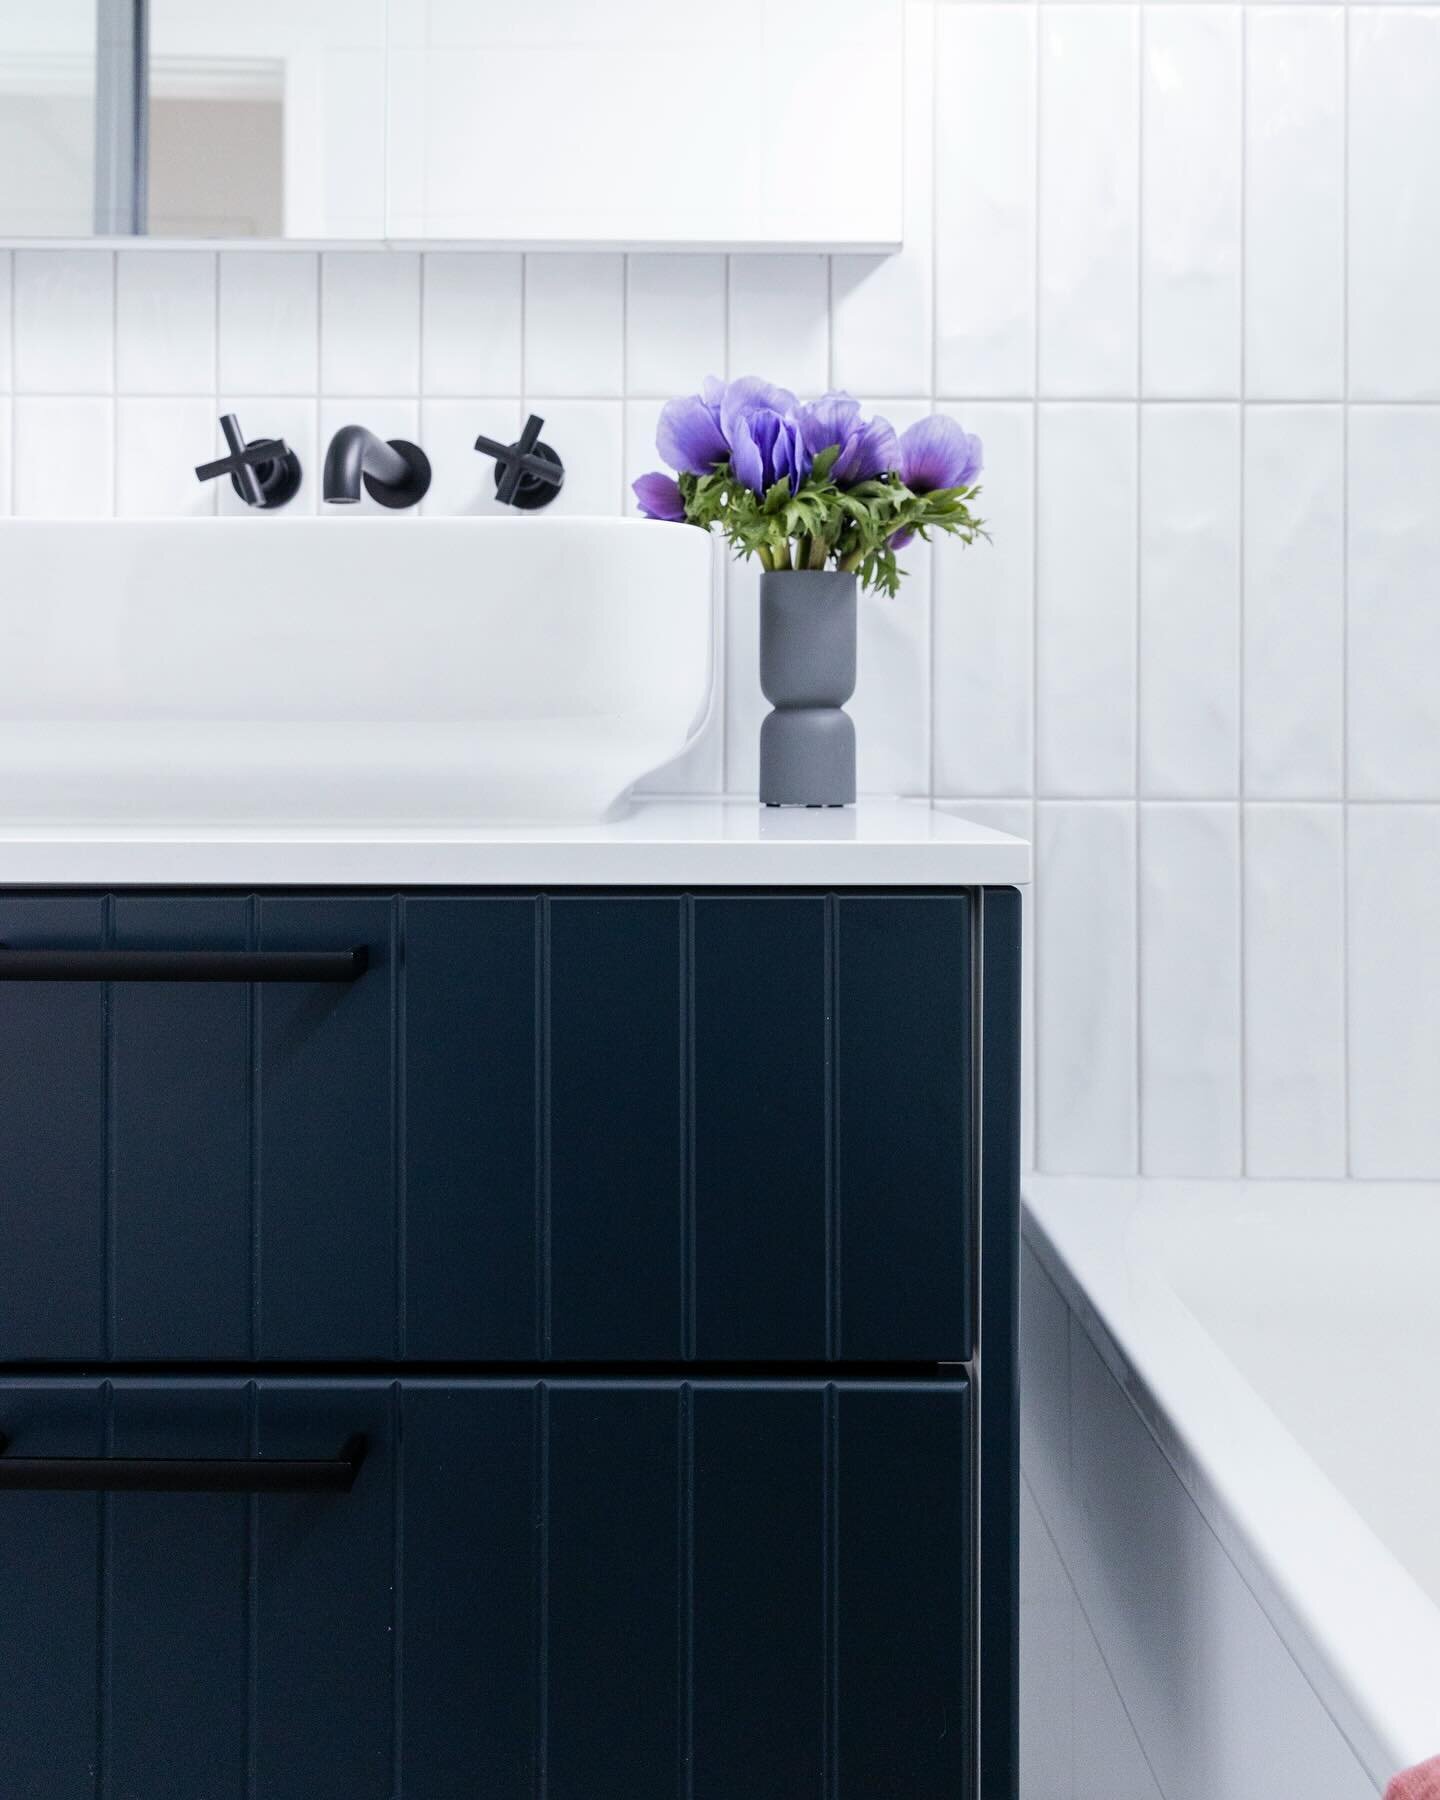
x: 528, y: 474
x: 395, y: 473
x: 265, y: 473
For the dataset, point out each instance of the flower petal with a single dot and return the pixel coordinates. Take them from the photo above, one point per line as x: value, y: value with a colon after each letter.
x: 871, y: 451
x: 831, y: 419
x: 660, y: 497
x: 746, y: 462
x: 688, y: 437
x: 750, y: 394
x: 938, y: 453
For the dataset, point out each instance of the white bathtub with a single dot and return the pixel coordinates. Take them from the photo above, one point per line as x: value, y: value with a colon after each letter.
x: 1232, y: 1436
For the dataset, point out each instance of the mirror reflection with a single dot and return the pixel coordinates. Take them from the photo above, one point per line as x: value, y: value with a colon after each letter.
x: 469, y: 120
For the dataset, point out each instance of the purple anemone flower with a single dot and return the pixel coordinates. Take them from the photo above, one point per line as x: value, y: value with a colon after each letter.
x: 660, y: 497
x: 688, y: 435
x: 938, y: 453
x: 748, y: 395
x: 868, y: 447
x: 766, y: 448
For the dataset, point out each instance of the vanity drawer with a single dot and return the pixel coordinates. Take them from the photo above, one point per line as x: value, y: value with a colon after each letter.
x: 597, y: 1590
x: 630, y: 1127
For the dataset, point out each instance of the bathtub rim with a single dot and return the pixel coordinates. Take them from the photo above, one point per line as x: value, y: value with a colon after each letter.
x: 1359, y: 1627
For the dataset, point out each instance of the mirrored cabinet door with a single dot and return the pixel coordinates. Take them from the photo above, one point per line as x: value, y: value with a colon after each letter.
x: 769, y: 123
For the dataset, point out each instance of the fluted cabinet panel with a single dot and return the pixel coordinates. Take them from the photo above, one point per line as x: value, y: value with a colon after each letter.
x: 581, y: 1128
x: 632, y: 1590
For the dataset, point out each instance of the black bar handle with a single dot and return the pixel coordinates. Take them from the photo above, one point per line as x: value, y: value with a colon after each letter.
x: 180, y: 1475
x: 182, y: 965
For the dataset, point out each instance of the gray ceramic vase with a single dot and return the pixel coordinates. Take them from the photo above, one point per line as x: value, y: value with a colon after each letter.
x: 807, y: 672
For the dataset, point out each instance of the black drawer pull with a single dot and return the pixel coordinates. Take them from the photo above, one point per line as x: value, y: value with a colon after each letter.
x: 182, y: 965
x: 179, y: 1475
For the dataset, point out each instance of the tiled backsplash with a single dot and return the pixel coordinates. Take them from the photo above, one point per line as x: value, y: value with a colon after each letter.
x: 1180, y: 266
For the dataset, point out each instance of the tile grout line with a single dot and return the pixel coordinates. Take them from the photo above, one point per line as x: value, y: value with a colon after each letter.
x: 1037, y: 79
x: 933, y: 101
x: 1138, y: 895
x: 114, y: 383
x: 11, y: 264
x: 1242, y: 961
x: 1347, y: 1105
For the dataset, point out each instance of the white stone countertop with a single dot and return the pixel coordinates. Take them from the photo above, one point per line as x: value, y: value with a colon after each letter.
x: 658, y: 843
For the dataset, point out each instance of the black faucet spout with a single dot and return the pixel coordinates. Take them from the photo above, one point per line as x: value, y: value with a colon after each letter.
x: 393, y: 472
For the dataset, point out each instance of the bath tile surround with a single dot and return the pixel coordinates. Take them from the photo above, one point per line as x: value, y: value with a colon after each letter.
x: 1177, y: 264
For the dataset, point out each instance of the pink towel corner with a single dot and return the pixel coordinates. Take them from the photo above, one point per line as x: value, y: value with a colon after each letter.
x: 1419, y: 1783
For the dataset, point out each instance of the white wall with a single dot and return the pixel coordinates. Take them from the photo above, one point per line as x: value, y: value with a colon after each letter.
x: 1180, y: 265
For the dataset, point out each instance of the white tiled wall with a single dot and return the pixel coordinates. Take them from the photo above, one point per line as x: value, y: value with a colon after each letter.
x: 1180, y: 265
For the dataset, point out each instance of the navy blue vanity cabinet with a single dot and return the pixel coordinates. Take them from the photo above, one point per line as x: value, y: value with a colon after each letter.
x: 656, y: 1249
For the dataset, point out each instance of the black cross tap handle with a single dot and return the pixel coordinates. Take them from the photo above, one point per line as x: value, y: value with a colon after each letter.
x: 528, y: 473
x: 265, y: 473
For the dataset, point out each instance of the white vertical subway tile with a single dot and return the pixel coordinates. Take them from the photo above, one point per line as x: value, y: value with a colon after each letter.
x: 1191, y: 205
x: 1294, y: 602
x: 1085, y: 1014
x: 1086, y: 600
x: 369, y: 322
x: 1294, y: 990
x: 1189, y: 601
x: 891, y: 706
x: 780, y: 320
x: 388, y: 417
x: 1018, y: 818
x: 1190, y: 989
x: 7, y: 262
x: 463, y: 481
x: 1089, y: 200
x: 64, y: 462
x: 575, y: 324
x: 1394, y: 203
x: 1394, y: 621
x: 1393, y: 854
x: 589, y: 437
x: 641, y: 455
x: 1295, y: 202
x: 470, y: 333
x: 269, y: 314
x: 158, y: 442
x: 293, y: 417
x: 984, y: 620
x: 882, y: 314
x: 985, y: 200
x: 674, y: 323
x: 64, y: 326
x: 165, y: 322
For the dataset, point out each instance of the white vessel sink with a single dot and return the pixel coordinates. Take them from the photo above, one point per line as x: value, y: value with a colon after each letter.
x: 399, y: 672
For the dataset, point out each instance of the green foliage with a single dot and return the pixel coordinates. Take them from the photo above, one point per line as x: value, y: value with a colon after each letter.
x: 827, y: 527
